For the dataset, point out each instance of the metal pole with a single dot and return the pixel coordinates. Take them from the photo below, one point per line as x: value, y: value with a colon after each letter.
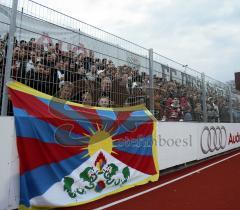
x: 204, y: 104
x: 151, y: 86
x: 12, y: 29
x: 20, y: 34
x: 230, y: 104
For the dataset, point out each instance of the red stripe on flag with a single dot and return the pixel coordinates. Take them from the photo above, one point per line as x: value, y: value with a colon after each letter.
x: 142, y: 163
x: 90, y: 114
x: 36, y: 108
x: 34, y: 153
x: 121, y: 118
x: 141, y: 131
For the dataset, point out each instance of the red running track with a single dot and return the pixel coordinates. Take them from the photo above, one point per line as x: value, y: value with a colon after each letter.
x: 211, y: 185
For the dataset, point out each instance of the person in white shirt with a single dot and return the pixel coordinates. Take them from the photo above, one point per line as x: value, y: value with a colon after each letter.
x: 31, y: 64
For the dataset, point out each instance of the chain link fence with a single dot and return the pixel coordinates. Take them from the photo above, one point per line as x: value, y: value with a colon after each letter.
x: 72, y: 60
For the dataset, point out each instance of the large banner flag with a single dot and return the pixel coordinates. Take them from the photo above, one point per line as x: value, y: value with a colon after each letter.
x: 71, y: 154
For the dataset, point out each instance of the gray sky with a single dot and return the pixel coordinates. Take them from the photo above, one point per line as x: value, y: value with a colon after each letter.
x: 205, y: 34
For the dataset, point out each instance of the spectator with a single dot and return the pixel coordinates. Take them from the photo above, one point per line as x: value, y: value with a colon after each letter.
x: 106, y: 85
x: 31, y: 64
x: 66, y: 91
x: 104, y: 101
x: 100, y: 82
x: 198, y: 112
x: 92, y: 75
x: 87, y: 99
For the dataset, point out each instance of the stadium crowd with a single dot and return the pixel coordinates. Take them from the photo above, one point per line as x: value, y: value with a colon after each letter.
x: 86, y: 79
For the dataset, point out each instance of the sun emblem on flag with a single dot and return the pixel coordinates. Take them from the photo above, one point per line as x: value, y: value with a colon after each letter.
x: 100, y: 140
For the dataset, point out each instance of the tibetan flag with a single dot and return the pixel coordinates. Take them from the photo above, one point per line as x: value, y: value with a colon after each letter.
x: 71, y: 154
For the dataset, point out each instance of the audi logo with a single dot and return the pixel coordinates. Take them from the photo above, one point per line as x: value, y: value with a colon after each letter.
x: 213, y: 138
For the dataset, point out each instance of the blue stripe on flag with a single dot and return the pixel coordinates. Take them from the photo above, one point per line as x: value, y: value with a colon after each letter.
x: 69, y: 113
x: 31, y: 127
x: 135, y: 119
x: 107, y: 117
x: 39, y: 180
x: 139, y: 146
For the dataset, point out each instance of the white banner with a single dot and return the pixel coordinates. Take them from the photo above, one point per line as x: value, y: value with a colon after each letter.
x: 177, y: 143
x: 215, y: 138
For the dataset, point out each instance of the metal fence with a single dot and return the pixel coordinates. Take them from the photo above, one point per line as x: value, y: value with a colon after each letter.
x: 64, y: 57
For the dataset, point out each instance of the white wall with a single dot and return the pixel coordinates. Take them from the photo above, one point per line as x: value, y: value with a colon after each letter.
x: 184, y: 142
x: 178, y: 143
x: 9, y: 184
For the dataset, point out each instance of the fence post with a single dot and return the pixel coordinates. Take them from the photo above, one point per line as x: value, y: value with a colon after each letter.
x: 151, y: 85
x: 204, y: 104
x: 10, y: 42
x: 230, y: 104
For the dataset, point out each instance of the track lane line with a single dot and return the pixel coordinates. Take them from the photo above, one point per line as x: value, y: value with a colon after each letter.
x: 164, y: 184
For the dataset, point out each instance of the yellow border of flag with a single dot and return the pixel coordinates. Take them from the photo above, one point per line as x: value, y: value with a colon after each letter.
x: 23, y: 88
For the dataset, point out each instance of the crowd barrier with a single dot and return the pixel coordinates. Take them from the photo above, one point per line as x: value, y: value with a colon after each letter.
x: 194, y: 141
x: 67, y: 58
x: 189, y: 142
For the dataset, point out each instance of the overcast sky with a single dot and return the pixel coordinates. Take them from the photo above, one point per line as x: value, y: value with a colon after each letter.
x: 204, y: 34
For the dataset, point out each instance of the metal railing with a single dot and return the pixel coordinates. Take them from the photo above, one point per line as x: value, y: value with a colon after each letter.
x: 72, y: 60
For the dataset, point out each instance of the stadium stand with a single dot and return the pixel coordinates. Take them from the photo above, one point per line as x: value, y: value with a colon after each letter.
x: 86, y: 79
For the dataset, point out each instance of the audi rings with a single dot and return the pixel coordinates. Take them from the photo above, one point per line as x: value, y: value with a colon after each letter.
x: 213, y: 138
